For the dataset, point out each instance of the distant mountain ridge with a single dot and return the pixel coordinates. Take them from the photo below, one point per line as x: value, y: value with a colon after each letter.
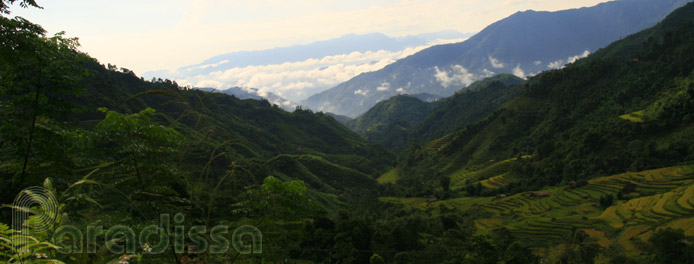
x: 524, y: 44
x: 343, y: 45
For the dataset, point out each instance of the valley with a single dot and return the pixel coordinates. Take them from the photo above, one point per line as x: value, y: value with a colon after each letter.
x: 460, y: 153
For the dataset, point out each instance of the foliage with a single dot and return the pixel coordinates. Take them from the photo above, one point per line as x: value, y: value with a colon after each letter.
x: 5, y: 5
x: 671, y: 246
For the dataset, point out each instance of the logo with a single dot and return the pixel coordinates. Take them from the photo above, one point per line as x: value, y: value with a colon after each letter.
x: 36, y: 210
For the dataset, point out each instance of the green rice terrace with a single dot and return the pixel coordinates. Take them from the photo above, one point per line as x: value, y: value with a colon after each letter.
x: 651, y: 200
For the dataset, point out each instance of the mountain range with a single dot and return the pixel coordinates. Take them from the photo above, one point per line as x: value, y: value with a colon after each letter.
x: 295, y: 72
x: 401, y: 120
x: 524, y: 44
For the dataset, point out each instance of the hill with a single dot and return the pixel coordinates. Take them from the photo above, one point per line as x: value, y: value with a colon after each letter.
x: 525, y: 43
x: 398, y: 121
x: 610, y: 171
x: 600, y: 115
x: 388, y: 122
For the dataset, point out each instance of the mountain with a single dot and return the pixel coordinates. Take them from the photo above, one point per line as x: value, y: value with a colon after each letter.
x: 398, y: 121
x: 261, y: 130
x: 593, y: 161
x: 343, y: 45
x: 468, y: 106
x: 340, y: 118
x: 298, y: 71
x: 405, y: 108
x: 626, y: 107
x: 525, y: 43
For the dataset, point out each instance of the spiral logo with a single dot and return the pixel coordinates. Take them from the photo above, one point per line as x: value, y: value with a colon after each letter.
x: 35, y: 208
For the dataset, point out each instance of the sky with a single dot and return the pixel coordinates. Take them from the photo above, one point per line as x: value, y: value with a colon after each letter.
x: 168, y: 34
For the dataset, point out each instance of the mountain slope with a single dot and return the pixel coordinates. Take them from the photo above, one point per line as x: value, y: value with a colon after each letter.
x: 603, y: 114
x: 403, y: 108
x: 398, y: 121
x: 468, y: 106
x: 524, y: 43
x: 388, y: 122
x: 258, y: 129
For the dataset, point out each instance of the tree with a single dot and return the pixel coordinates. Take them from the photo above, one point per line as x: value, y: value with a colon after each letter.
x: 38, y: 78
x: 606, y: 200
x: 517, y: 254
x: 580, y: 249
x: 484, y: 251
x: 376, y: 259
x: 139, y: 143
x: 5, y: 5
x: 671, y: 246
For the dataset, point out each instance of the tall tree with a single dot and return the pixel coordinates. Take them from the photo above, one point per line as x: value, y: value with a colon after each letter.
x: 39, y: 76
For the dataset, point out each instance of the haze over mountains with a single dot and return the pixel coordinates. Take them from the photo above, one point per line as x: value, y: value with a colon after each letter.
x: 299, y: 71
x: 525, y: 43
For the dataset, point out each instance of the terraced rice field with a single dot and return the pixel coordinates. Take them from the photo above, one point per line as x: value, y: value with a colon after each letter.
x: 497, y: 181
x: 493, y: 176
x: 663, y: 198
x: 388, y: 177
x: 636, y: 117
x: 441, y: 142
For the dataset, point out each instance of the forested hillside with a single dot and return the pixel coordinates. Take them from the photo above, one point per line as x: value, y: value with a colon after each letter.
x: 590, y: 164
x: 601, y: 115
x: 402, y: 120
x: 118, y: 150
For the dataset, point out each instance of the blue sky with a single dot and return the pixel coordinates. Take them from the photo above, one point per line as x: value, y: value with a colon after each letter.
x: 157, y: 34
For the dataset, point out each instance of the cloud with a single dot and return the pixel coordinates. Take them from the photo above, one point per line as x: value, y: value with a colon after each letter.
x: 487, y: 73
x: 456, y: 76
x: 208, y: 65
x: 385, y: 86
x: 361, y: 92
x: 538, y: 63
x: 558, y: 64
x: 577, y: 57
x: 298, y: 80
x: 518, y: 71
x: 208, y: 84
x: 495, y: 63
x: 400, y: 90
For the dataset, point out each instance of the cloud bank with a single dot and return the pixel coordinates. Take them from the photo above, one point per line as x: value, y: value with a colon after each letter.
x: 299, y: 80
